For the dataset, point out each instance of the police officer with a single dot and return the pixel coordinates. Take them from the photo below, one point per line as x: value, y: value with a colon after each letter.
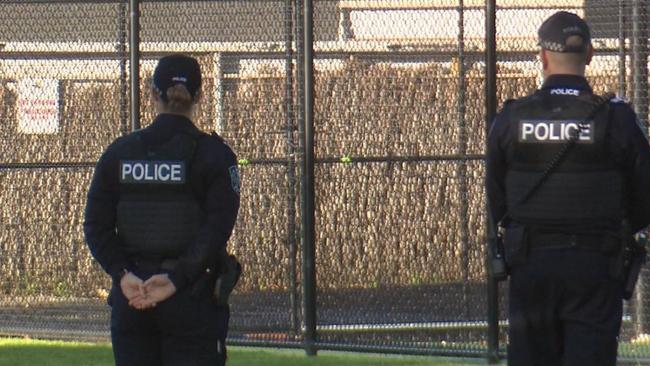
x: 562, y: 242
x: 161, y: 206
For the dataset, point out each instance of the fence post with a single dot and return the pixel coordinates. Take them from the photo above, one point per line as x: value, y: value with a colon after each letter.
x: 123, y: 84
x: 291, y: 165
x: 640, y: 59
x: 491, y: 108
x: 462, y: 164
x: 218, y: 64
x: 640, y: 101
x: 308, y: 193
x: 622, y: 52
x: 134, y: 47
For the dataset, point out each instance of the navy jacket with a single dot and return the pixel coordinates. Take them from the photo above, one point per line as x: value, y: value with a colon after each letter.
x: 217, y: 190
x: 627, y: 143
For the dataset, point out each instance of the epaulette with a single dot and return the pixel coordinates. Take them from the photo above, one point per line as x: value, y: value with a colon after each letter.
x: 619, y: 100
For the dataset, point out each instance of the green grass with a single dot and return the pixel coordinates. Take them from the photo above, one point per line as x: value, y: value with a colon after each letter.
x: 23, y: 352
x: 19, y: 352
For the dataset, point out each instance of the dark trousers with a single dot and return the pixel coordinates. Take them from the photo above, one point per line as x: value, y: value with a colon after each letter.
x: 565, y: 309
x: 181, y: 331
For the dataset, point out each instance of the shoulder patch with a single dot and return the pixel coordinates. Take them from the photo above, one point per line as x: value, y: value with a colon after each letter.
x: 235, y: 181
x: 618, y: 100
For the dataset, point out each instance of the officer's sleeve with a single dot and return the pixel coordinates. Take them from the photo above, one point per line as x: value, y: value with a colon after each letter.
x: 99, y: 220
x: 221, y: 207
x: 633, y: 146
x: 496, y: 167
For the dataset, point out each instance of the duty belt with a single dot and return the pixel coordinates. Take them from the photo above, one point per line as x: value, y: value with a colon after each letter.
x: 607, y: 243
x: 155, y: 265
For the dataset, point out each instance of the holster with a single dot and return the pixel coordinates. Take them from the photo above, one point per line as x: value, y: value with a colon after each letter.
x: 497, y: 268
x: 229, y: 274
x: 506, y: 248
x: 630, y: 259
x: 219, y: 281
x: 634, y: 257
x: 515, y: 243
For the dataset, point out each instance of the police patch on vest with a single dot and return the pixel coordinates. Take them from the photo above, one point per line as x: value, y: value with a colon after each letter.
x: 235, y: 182
x: 152, y: 172
x: 555, y: 131
x: 565, y: 91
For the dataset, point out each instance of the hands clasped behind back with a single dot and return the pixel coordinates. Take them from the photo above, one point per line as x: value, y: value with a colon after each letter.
x: 144, y: 295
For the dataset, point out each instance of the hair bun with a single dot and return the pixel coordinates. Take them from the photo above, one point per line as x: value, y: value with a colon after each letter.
x: 179, y: 98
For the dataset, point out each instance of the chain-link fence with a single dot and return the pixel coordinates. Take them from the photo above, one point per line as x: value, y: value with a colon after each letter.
x: 399, y: 231
x: 400, y: 122
x: 63, y: 82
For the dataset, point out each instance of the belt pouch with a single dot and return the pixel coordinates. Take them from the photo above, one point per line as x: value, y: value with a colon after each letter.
x: 515, y: 242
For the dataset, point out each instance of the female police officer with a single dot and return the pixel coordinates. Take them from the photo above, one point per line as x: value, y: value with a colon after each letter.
x: 161, y: 207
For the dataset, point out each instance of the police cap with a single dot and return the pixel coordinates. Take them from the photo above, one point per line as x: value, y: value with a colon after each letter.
x: 556, y: 30
x: 177, y: 69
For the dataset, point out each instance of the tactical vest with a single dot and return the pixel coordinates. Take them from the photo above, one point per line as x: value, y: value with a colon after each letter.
x: 587, y: 187
x: 157, y: 213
